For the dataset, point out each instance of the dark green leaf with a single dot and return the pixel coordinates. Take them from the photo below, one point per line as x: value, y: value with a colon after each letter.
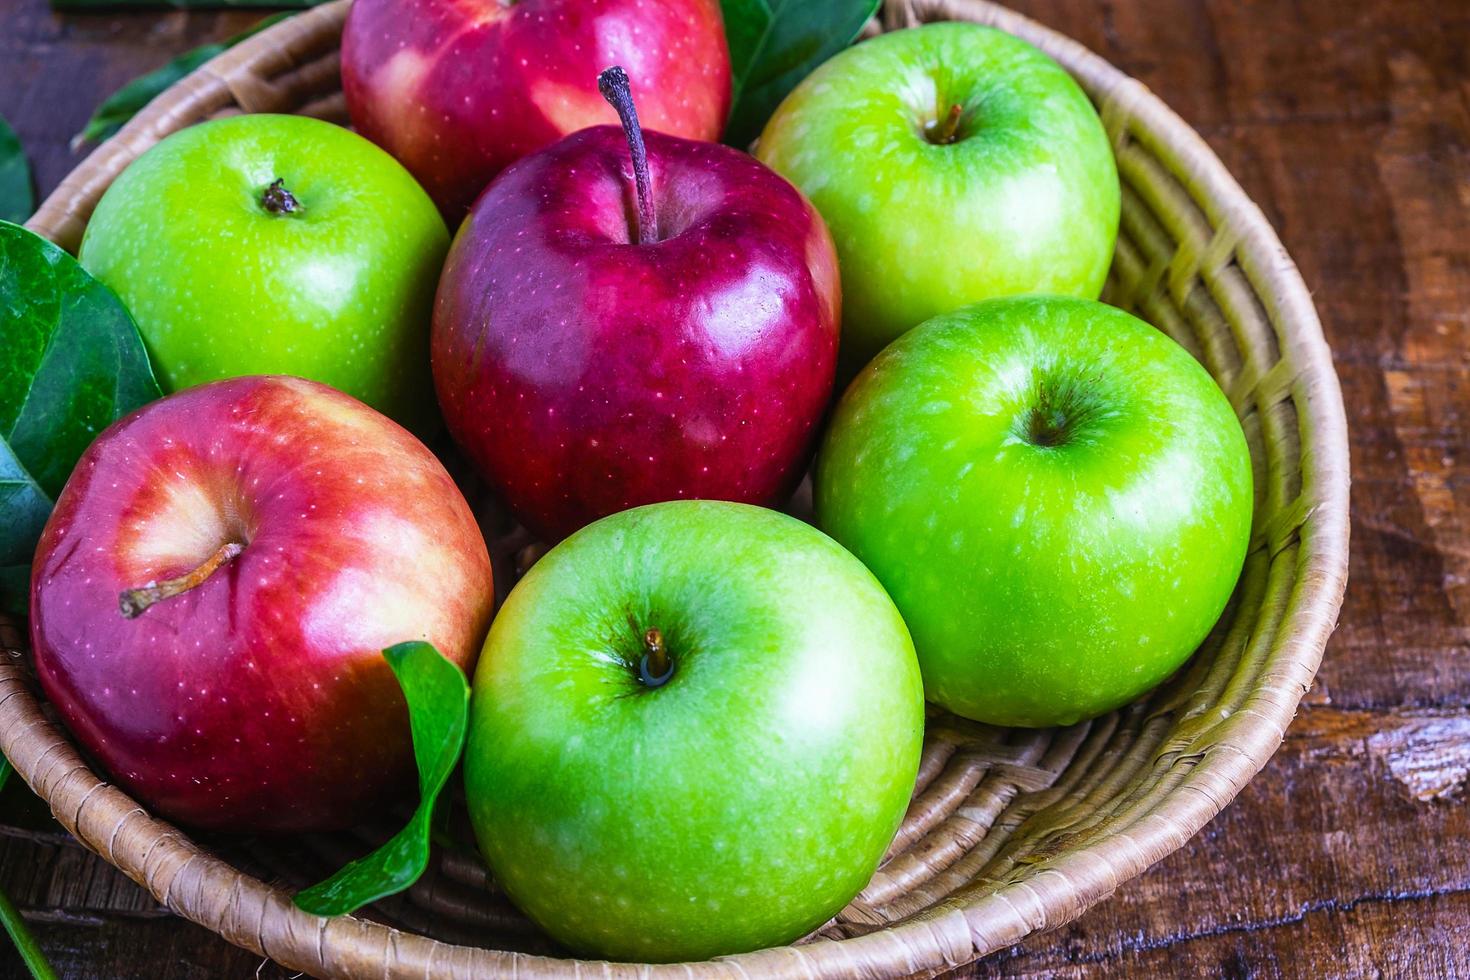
x: 438, y: 713
x: 24, y: 507
x: 774, y: 44
x: 16, y: 198
x: 71, y: 362
x: 10, y: 918
x: 127, y: 101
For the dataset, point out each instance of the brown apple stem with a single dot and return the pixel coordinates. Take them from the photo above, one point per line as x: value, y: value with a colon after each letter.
x: 132, y: 602
x: 654, y: 669
x: 613, y: 84
x: 943, y: 131
x: 277, y: 200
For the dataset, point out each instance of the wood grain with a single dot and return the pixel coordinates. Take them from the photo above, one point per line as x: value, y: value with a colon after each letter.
x: 1349, y: 856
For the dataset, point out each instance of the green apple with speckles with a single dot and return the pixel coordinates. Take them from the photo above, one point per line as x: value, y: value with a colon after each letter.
x: 695, y: 729
x: 1056, y: 495
x: 953, y: 163
x: 267, y: 244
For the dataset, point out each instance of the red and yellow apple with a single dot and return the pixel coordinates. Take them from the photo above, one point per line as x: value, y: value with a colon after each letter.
x: 459, y: 89
x: 213, y: 591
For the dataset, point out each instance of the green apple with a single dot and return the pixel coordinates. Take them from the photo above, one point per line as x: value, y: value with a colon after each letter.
x: 953, y: 163
x: 695, y: 728
x: 264, y: 244
x: 1056, y: 495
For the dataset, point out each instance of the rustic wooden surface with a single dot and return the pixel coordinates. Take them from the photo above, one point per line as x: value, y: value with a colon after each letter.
x: 1349, y: 855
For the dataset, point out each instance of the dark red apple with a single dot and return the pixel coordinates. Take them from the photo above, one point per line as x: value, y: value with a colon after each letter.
x: 459, y: 89
x: 212, y: 592
x: 590, y: 360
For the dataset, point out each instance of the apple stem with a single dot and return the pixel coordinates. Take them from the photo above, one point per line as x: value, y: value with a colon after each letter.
x: 132, y: 602
x: 613, y: 84
x: 943, y: 131
x: 654, y: 669
x: 277, y: 200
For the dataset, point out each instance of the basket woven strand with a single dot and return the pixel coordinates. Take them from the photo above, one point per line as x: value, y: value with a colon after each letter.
x: 1009, y: 832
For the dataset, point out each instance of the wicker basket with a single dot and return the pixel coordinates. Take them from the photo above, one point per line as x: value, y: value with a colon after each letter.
x: 1009, y: 832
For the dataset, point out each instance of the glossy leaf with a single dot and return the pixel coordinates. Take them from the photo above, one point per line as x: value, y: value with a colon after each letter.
x: 17, y: 200
x: 438, y: 713
x: 127, y: 101
x: 15, y: 925
x: 774, y: 44
x: 71, y: 362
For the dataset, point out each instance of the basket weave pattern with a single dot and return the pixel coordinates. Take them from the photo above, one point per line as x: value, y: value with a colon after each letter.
x: 1010, y: 831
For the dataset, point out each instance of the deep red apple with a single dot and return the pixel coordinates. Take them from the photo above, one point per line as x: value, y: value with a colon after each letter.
x: 610, y: 332
x: 212, y: 592
x: 459, y: 89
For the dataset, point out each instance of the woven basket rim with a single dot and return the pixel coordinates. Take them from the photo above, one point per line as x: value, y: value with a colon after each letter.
x: 956, y: 930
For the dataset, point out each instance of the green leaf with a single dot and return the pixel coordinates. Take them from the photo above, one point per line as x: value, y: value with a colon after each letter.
x: 438, y: 713
x: 24, y: 507
x: 127, y: 101
x: 10, y: 918
x: 17, y: 200
x: 71, y: 362
x: 774, y: 44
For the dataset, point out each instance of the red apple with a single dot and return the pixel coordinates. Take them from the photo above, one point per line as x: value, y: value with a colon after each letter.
x: 212, y: 592
x: 590, y: 360
x: 459, y: 89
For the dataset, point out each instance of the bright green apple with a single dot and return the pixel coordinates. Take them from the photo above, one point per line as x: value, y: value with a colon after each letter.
x: 1056, y: 495
x: 264, y: 244
x: 953, y: 163
x: 738, y: 804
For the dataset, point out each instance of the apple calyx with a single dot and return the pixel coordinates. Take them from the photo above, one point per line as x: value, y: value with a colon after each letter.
x: 654, y: 668
x: 1046, y: 427
x: 614, y: 86
x: 944, y: 131
x: 1059, y: 409
x: 133, y: 602
x: 277, y: 200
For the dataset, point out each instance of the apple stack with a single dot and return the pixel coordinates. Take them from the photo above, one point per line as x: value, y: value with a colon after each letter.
x: 695, y: 723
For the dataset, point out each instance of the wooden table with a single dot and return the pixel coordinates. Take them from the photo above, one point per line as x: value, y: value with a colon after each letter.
x: 1349, y: 122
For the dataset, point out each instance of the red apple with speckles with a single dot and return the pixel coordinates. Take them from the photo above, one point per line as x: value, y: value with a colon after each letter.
x: 614, y: 329
x: 213, y: 591
x: 459, y: 89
